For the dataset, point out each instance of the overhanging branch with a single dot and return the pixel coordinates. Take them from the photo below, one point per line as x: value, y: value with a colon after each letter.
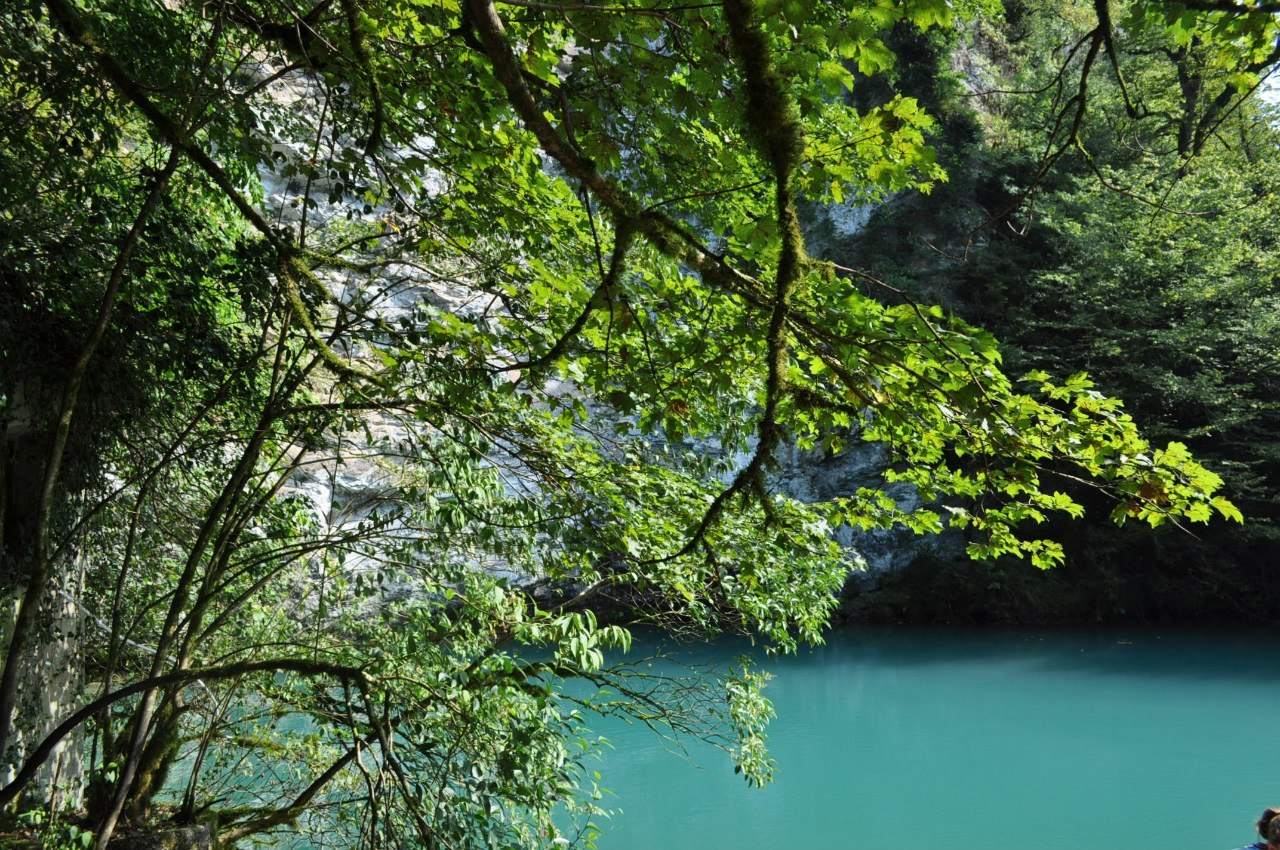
x: 177, y: 677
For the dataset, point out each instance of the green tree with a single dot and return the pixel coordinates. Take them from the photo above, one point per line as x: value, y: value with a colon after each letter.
x: 553, y: 244
x: 1149, y: 263
x: 1136, y: 258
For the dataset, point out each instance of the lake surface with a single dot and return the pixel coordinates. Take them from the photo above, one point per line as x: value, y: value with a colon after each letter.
x: 968, y: 740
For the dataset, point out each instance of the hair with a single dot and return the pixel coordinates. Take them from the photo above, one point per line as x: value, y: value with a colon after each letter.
x: 1267, y: 819
x: 1273, y: 831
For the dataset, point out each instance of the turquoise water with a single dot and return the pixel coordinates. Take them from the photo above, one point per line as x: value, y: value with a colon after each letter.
x: 956, y: 740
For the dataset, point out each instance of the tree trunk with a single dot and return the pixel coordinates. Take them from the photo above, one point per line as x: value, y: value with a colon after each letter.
x: 50, y: 677
x: 1190, y: 84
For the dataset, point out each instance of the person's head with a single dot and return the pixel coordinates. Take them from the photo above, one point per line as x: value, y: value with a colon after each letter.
x: 1273, y: 832
x: 1267, y: 819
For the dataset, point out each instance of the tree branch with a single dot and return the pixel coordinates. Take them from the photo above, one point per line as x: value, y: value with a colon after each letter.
x: 274, y: 665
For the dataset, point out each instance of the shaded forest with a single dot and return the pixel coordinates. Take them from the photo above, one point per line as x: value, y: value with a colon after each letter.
x: 1144, y: 257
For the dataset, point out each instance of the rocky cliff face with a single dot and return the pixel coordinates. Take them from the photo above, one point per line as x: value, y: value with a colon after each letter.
x: 357, y: 476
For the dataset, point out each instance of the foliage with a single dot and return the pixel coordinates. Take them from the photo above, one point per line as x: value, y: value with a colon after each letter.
x: 519, y: 260
x: 1151, y: 267
x: 1137, y: 259
x: 1191, y: 347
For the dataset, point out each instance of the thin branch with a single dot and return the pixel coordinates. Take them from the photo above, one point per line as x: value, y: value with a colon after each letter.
x: 623, y: 235
x: 176, y: 677
x: 655, y: 12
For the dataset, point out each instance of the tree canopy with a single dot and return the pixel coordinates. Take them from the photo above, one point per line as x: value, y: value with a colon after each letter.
x: 540, y: 268
x: 1133, y: 258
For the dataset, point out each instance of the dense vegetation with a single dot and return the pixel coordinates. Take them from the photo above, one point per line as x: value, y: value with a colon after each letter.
x: 1145, y: 257
x: 514, y: 259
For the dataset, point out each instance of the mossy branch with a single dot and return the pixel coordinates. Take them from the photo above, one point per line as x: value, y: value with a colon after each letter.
x: 772, y: 118
x: 663, y: 232
x: 293, y: 274
x: 69, y: 22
